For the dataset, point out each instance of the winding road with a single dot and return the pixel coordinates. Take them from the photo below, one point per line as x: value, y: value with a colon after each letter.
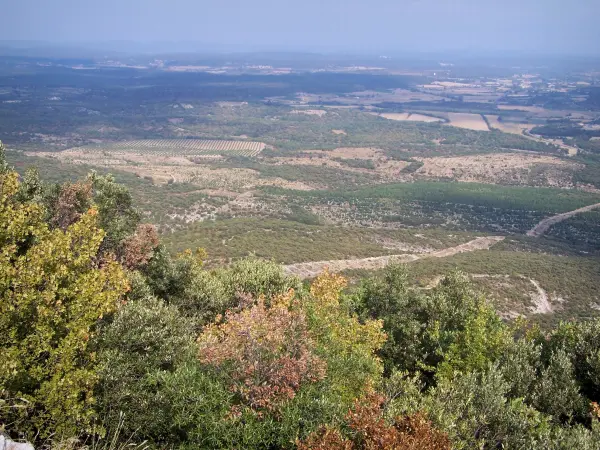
x: 312, y: 269
x: 546, y: 223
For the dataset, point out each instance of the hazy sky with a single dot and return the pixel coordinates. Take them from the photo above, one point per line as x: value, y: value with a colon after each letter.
x: 551, y: 26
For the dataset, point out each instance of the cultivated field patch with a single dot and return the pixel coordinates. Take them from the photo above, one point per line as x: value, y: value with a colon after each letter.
x: 508, y: 127
x: 410, y: 117
x: 468, y: 121
x: 168, y: 147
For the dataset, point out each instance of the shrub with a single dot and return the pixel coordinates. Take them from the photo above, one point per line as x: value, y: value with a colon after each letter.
x: 267, y: 352
x: 369, y: 430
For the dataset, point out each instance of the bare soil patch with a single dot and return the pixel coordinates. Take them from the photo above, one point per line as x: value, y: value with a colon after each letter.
x: 540, y: 300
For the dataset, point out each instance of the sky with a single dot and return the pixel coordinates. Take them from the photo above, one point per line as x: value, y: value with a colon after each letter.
x: 545, y: 26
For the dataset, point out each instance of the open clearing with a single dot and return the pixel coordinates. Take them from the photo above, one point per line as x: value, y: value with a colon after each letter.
x: 498, y: 168
x: 523, y: 129
x: 540, y: 299
x: 501, y: 168
x: 209, y: 170
x: 173, y: 169
x: 468, y: 121
x: 312, y: 269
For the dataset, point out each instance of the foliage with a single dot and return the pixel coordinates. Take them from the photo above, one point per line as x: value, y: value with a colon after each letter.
x: 446, y: 330
x: 244, y: 356
x: 267, y: 351
x: 146, y: 340
x: 346, y: 344
x: 138, y: 249
x: 370, y: 431
x: 476, y: 412
x: 476, y: 194
x: 3, y: 162
x: 507, y: 274
x: 53, y: 293
x: 403, y: 311
x: 413, y: 167
x: 581, y: 342
x: 72, y: 200
x: 356, y: 163
x: 557, y: 391
x: 207, y: 294
x: 118, y: 216
x: 480, y: 338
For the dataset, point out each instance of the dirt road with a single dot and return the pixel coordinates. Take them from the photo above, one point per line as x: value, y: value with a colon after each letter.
x: 312, y: 269
x: 545, y: 224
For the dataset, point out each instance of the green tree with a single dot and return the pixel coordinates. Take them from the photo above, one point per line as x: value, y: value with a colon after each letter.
x: 556, y: 392
x: 405, y: 316
x: 118, y: 216
x: 53, y: 292
x: 146, y: 341
x: 449, y: 328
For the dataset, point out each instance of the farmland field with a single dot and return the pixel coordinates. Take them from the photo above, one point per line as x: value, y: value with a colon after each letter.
x: 468, y: 121
x: 410, y: 117
x: 173, y: 147
x: 507, y: 127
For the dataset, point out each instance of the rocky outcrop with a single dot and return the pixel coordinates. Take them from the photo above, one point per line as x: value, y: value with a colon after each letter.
x: 8, y: 444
